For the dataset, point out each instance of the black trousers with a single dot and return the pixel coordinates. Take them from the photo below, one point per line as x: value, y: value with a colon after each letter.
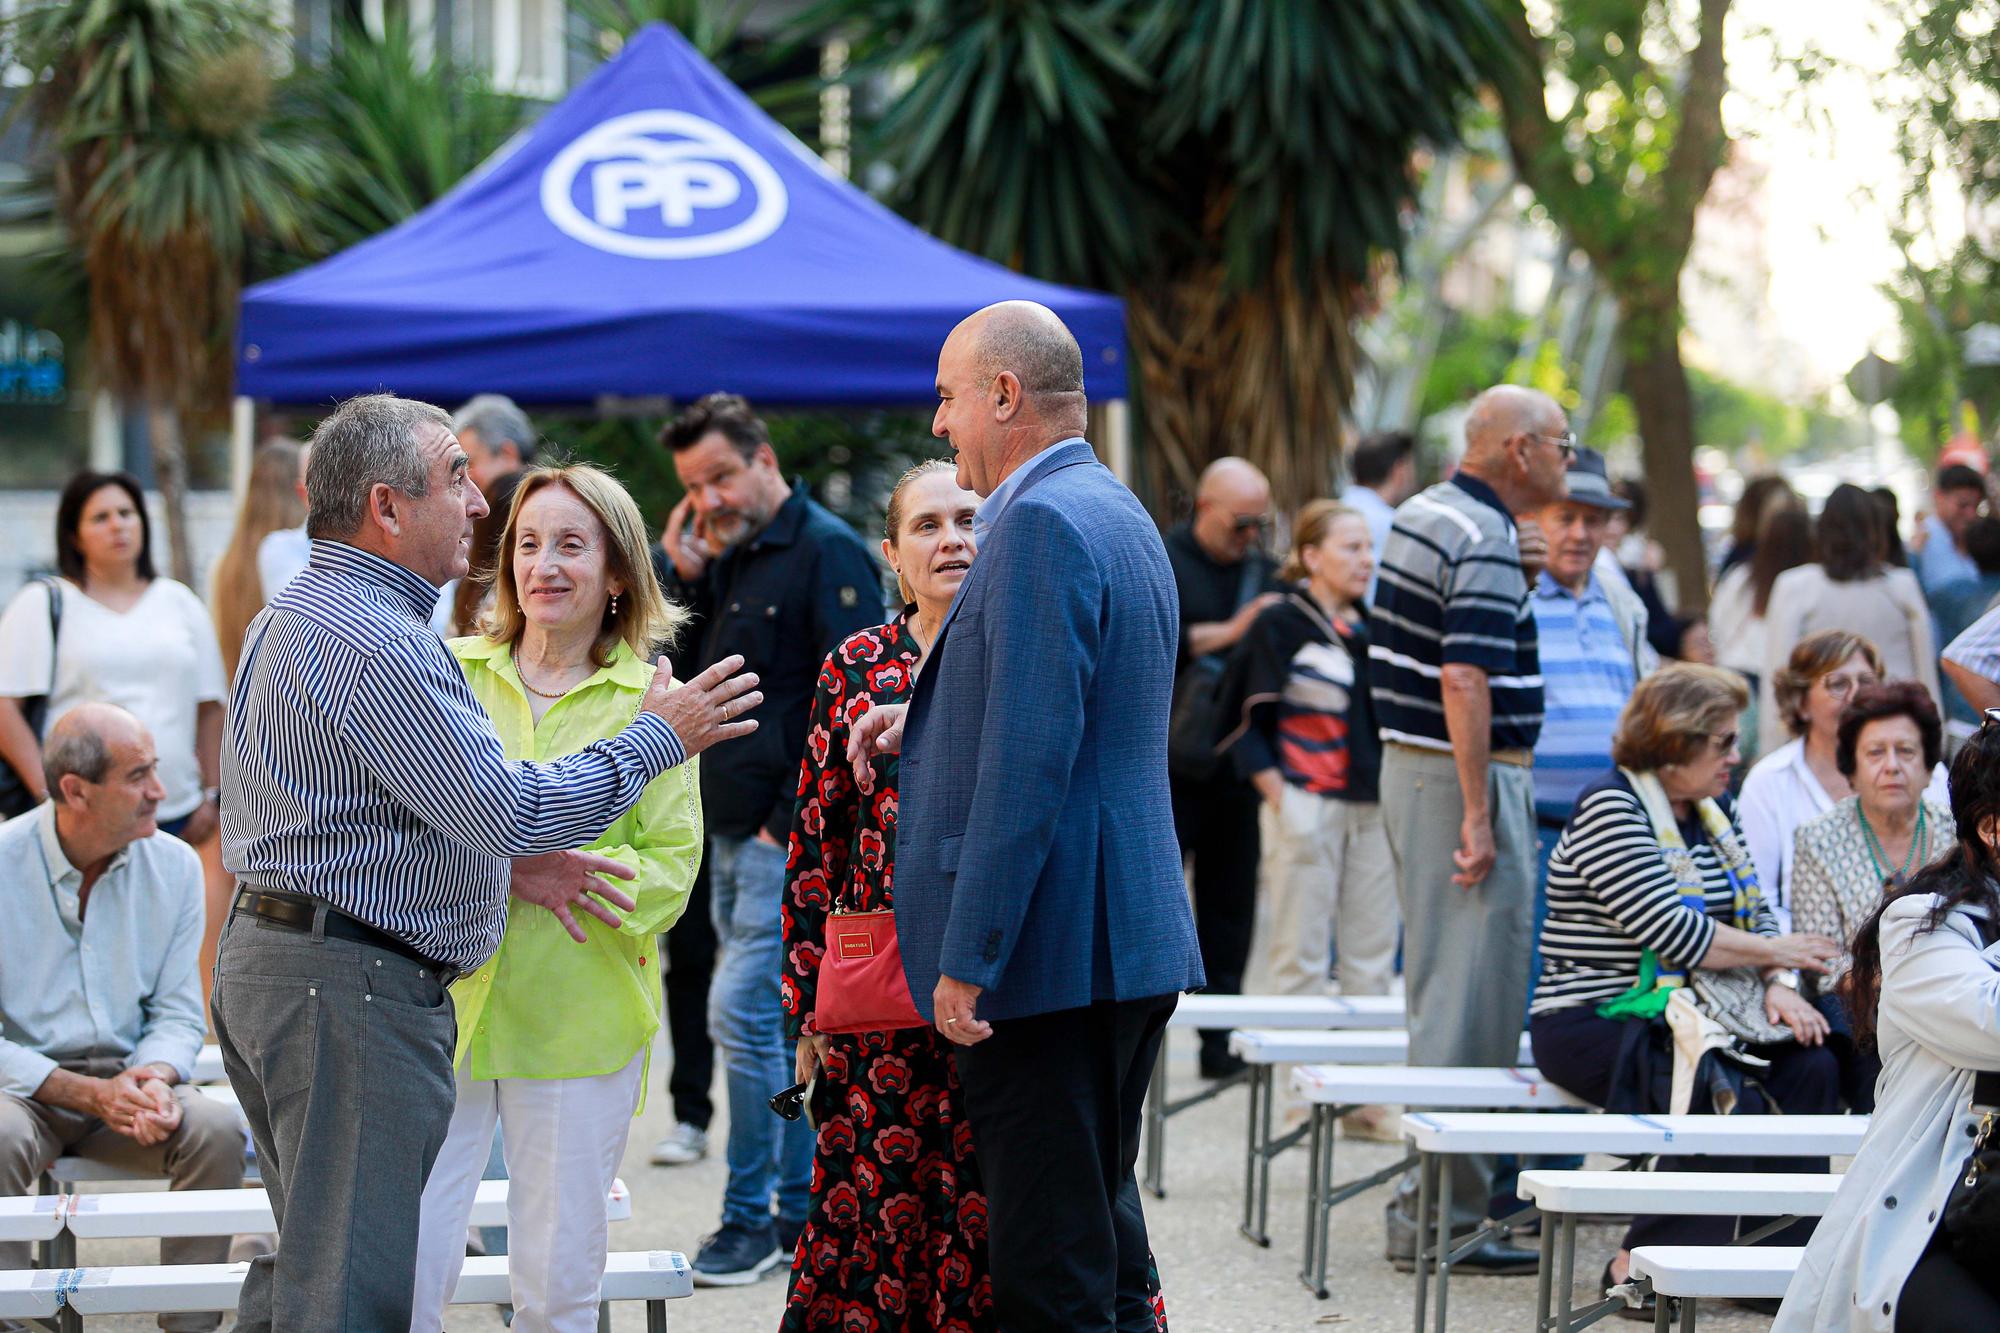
x: 690, y: 952
x: 1579, y: 1052
x: 1941, y: 1293
x: 1216, y: 823
x: 1054, y: 1103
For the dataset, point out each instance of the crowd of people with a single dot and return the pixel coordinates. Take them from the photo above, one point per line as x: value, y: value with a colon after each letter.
x: 504, y: 785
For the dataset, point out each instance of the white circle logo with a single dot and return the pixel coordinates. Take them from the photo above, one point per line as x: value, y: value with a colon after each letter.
x: 662, y: 185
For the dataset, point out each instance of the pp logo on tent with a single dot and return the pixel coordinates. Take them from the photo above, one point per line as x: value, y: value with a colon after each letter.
x: 662, y: 185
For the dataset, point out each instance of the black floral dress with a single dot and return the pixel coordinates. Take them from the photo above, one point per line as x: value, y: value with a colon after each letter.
x: 896, y: 1241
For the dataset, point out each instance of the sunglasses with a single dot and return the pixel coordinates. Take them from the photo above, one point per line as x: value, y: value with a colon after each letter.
x: 1254, y: 523
x: 1566, y: 443
x: 791, y: 1103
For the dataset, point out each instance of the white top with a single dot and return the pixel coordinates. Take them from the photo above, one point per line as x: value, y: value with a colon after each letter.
x: 1734, y: 625
x: 282, y: 557
x: 1939, y: 1021
x: 1779, y: 794
x: 157, y: 661
x: 1888, y: 610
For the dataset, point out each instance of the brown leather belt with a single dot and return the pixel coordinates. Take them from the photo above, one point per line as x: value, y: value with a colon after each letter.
x: 1517, y: 758
x: 295, y: 912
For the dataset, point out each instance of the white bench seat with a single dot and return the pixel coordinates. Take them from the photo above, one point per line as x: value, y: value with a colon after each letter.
x: 30, y: 1219
x: 142, y: 1215
x: 1422, y: 1085
x: 1691, y: 1274
x: 1268, y: 1046
x: 1564, y: 1196
x: 652, y: 1276
x: 1289, y: 1011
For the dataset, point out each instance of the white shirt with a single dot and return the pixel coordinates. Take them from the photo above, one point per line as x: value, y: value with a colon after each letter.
x: 1735, y: 626
x: 281, y: 557
x: 1779, y: 794
x: 157, y: 661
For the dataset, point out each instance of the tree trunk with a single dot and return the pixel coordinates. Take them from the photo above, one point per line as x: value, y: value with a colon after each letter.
x: 163, y: 426
x: 1658, y: 385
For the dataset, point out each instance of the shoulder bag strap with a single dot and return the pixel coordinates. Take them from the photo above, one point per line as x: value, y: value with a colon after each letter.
x: 55, y: 626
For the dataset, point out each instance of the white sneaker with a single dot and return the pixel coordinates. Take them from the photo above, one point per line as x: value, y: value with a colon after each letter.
x: 684, y: 1145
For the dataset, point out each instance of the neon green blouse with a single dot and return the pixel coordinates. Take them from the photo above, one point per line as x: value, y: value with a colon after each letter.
x: 545, y: 1006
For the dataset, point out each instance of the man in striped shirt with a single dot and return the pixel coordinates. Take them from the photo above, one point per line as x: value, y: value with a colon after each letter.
x: 1457, y: 686
x: 370, y: 819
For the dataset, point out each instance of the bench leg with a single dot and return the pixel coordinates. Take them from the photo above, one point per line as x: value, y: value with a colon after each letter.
x: 1426, y: 1183
x: 1252, y: 1150
x: 1545, y: 1276
x: 1443, y: 1248
x: 1312, y: 1199
x: 1156, y: 1124
x: 604, y: 1317
x: 1325, y: 1120
x: 1663, y: 1318
x: 1568, y: 1274
x: 1687, y: 1314
x: 656, y: 1317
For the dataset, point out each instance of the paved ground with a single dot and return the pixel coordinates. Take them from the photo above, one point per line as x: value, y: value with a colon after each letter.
x: 1216, y: 1282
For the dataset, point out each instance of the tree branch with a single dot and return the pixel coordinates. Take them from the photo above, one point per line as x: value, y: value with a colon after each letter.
x: 1540, y: 156
x: 1699, y: 140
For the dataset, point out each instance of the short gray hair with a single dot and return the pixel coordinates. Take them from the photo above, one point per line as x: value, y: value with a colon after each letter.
x: 370, y: 439
x: 499, y: 421
x: 79, y: 749
x: 1034, y: 343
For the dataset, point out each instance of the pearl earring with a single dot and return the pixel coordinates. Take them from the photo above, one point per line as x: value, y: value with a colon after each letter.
x: 614, y: 604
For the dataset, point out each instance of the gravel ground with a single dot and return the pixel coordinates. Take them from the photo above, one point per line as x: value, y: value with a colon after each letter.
x: 1216, y: 1282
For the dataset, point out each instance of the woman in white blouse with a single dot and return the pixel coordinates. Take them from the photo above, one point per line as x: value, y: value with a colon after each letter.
x: 128, y: 637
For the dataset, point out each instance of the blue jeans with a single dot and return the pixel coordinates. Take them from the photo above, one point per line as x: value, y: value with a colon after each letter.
x: 768, y: 1157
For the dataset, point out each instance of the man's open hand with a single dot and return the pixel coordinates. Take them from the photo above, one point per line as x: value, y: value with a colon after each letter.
x: 562, y: 880
x: 709, y: 708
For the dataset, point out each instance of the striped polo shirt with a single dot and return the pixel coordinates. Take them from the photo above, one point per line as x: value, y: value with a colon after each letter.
x: 1451, y: 591
x: 1587, y: 675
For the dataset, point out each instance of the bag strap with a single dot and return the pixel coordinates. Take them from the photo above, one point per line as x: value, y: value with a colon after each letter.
x: 1247, y: 582
x: 55, y: 625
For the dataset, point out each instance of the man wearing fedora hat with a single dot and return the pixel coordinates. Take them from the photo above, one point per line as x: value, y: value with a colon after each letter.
x: 1592, y: 634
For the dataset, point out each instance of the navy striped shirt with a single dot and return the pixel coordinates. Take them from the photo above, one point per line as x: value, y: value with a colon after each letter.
x: 358, y: 767
x: 1451, y: 590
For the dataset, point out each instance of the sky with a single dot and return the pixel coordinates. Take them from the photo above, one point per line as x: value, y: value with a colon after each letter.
x: 1829, y: 249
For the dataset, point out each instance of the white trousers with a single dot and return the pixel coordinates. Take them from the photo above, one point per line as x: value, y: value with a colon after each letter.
x: 1328, y: 868
x: 564, y: 1138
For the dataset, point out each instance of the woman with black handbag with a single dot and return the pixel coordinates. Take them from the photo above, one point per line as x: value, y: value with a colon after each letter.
x: 1912, y: 1241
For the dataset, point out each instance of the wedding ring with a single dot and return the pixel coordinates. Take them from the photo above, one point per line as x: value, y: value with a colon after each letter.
x: 951, y: 1022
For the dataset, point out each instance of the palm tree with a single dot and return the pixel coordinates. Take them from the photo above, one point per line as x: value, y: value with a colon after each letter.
x: 155, y: 110
x: 1238, y: 172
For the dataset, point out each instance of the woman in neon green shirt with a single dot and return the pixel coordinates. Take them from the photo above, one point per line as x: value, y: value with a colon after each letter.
x: 553, y: 1035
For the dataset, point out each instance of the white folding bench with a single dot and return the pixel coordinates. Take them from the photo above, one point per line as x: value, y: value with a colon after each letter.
x: 1331, y: 1091
x: 1692, y: 1274
x: 1563, y: 1196
x: 1262, y: 1050
x: 655, y: 1277
x: 1436, y: 1135
x: 208, y: 1065
x: 1296, y: 1012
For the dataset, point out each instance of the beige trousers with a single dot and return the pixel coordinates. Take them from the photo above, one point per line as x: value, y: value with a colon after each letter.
x: 1330, y: 876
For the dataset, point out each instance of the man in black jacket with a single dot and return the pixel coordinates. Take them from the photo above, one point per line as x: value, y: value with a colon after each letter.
x: 772, y: 575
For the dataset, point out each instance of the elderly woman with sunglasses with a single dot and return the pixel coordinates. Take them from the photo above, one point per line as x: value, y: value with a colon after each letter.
x: 1649, y: 883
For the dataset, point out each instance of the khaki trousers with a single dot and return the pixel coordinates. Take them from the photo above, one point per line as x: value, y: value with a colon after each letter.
x: 1331, y: 877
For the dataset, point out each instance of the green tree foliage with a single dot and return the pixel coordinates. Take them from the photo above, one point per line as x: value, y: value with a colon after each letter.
x: 1614, y: 117
x: 166, y: 166
x: 1235, y: 171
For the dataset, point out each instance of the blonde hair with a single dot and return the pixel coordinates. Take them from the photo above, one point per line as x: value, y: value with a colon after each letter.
x: 1310, y: 528
x: 1815, y: 655
x: 1672, y: 713
x: 892, y: 521
x: 644, y: 619
x: 270, y: 503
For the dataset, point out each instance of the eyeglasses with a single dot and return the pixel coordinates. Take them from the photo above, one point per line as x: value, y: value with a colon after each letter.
x: 1992, y: 715
x: 1566, y: 443
x: 1723, y: 742
x: 1839, y: 687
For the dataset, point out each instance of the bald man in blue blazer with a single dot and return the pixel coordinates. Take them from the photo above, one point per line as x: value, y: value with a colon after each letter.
x: 1040, y: 903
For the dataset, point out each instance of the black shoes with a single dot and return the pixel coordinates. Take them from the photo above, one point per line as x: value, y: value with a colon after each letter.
x: 1493, y: 1259
x: 1221, y: 1064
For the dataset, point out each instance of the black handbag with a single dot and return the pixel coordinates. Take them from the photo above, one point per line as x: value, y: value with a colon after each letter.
x: 1197, y: 724
x: 15, y: 798
x: 1971, y: 1222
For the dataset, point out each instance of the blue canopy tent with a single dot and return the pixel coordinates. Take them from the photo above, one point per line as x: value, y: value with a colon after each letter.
x: 654, y: 235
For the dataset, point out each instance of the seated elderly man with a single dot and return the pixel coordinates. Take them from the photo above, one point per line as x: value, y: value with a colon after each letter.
x: 100, y: 1001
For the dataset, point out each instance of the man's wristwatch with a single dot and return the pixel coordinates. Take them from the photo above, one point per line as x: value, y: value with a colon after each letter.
x: 1787, y: 977
x: 213, y: 795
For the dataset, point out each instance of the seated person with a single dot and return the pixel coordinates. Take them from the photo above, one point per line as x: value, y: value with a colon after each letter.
x: 100, y: 998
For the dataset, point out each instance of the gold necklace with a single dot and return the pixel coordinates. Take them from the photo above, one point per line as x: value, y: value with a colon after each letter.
x: 544, y: 694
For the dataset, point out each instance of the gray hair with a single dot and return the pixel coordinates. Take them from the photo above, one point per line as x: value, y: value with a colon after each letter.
x: 498, y: 420
x: 1034, y: 343
x: 76, y: 744
x: 368, y: 440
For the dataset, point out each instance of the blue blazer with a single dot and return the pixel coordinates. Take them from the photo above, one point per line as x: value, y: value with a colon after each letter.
x: 1035, y: 851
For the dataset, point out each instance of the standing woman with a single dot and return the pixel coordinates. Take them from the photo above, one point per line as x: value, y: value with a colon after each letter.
x: 898, y: 1221
x: 553, y: 1034
x: 1852, y: 588
x: 1306, y: 740
x: 1743, y: 598
x: 129, y: 637
x: 271, y: 503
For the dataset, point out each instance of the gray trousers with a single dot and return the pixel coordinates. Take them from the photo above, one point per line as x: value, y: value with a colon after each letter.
x: 341, y: 1056
x: 1465, y: 951
x: 205, y: 1152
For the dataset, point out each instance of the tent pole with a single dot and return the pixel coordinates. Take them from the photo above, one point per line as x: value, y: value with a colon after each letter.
x: 242, y: 441
x: 1113, y: 433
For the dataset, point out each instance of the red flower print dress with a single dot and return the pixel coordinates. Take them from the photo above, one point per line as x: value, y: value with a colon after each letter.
x: 896, y: 1241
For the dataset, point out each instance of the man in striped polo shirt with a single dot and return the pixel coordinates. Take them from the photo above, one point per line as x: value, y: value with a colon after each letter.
x: 1458, y: 693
